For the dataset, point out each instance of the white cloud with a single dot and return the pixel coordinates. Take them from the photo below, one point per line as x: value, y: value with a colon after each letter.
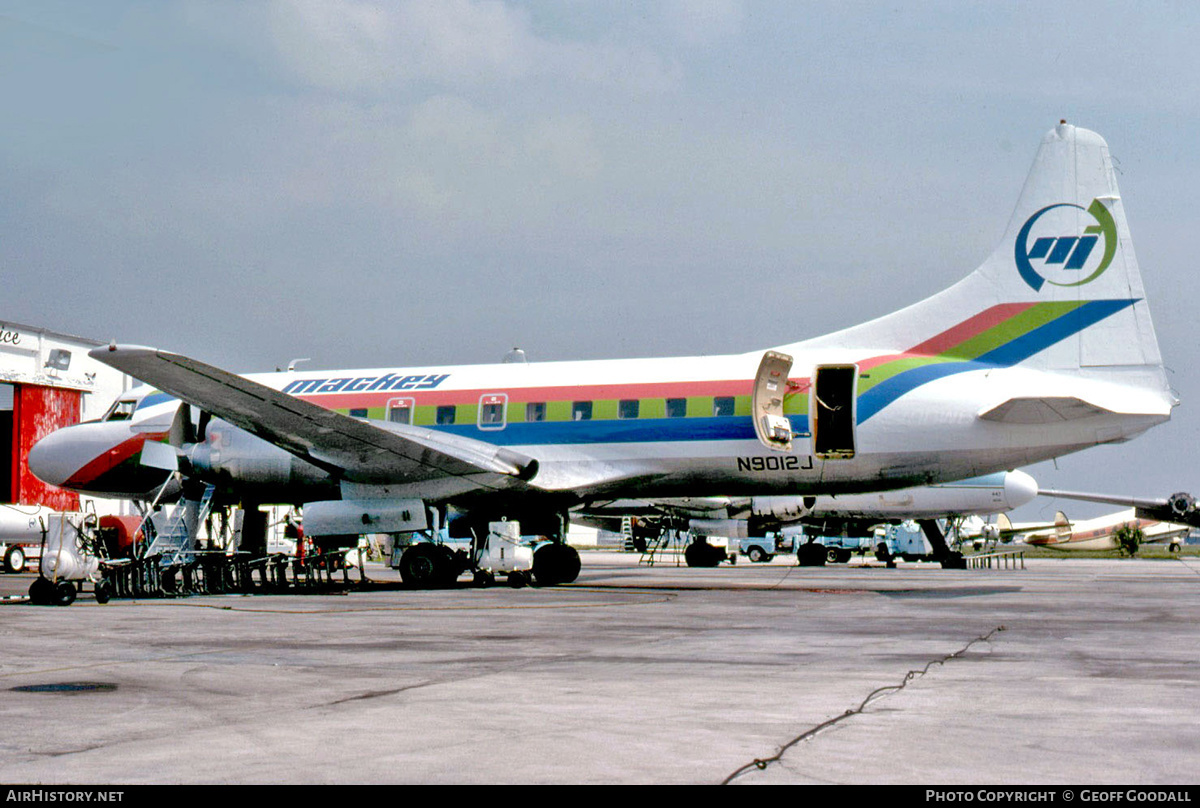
x: 373, y: 48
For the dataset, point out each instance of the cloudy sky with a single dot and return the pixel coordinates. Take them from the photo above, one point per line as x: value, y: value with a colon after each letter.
x: 393, y: 183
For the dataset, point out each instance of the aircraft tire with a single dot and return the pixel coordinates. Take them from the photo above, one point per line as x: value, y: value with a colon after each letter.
x: 555, y: 564
x: 423, y: 566
x: 811, y: 555
x: 14, y: 560
x: 702, y: 554
x: 954, y: 561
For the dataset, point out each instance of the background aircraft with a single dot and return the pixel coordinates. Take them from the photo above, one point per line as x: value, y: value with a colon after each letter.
x: 1099, y: 533
x: 845, y: 514
x: 1046, y: 349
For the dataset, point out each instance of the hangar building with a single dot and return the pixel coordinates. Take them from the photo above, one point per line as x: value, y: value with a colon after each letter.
x: 47, y: 381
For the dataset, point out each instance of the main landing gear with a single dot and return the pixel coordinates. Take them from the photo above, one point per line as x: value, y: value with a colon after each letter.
x: 941, y: 551
x: 496, y: 549
x: 702, y: 554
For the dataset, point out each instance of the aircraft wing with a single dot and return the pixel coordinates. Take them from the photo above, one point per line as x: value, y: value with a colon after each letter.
x: 1179, y: 508
x: 351, y: 448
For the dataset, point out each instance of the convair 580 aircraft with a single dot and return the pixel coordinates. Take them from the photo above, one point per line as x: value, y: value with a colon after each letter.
x: 1046, y: 349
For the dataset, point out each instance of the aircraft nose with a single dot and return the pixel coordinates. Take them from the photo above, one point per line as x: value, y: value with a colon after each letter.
x: 55, y: 458
x: 1019, y: 488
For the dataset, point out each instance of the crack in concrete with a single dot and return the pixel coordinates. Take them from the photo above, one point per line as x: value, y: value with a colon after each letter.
x: 762, y: 763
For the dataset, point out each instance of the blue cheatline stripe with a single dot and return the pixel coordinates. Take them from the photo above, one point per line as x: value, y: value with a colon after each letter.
x: 1056, y: 330
x: 1007, y: 355
x: 641, y: 430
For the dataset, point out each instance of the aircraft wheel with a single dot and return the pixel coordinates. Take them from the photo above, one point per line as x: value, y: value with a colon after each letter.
x: 702, y: 554
x: 41, y: 592
x: 555, y: 564
x: 811, y: 555
x: 421, y: 565
x: 14, y: 560
x: 954, y: 561
x: 64, y: 593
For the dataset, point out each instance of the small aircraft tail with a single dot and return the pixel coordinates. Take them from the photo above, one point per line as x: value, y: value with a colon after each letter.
x: 1062, y: 290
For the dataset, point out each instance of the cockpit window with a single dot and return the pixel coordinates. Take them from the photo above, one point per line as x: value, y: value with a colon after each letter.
x: 121, y: 410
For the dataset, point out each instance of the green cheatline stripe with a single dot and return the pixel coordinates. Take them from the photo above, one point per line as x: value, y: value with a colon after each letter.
x: 881, y: 373
x: 796, y: 404
x: 1033, y: 317
x: 976, y: 346
x: 602, y: 409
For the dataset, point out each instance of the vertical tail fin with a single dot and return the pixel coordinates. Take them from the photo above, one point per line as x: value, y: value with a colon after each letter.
x: 1061, y: 291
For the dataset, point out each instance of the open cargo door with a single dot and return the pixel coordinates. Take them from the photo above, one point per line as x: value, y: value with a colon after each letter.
x: 773, y: 428
x: 833, y: 408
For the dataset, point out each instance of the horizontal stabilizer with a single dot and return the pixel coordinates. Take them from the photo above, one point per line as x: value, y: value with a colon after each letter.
x: 1042, y: 410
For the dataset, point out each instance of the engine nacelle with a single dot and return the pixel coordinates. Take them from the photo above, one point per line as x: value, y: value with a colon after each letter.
x: 353, y: 517
x: 240, y: 459
x: 1182, y: 503
x: 782, y: 509
x: 729, y: 528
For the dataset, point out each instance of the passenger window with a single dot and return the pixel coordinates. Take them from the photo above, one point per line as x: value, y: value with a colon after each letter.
x: 676, y: 407
x: 581, y: 411
x: 445, y: 415
x: 400, y: 410
x: 723, y: 405
x: 628, y: 408
x: 535, y: 411
x: 492, y: 408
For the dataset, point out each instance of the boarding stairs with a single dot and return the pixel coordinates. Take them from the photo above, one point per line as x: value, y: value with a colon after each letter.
x: 175, y: 542
x: 627, y: 541
x: 656, y: 545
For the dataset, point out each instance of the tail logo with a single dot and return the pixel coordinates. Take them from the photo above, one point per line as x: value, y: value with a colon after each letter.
x: 1063, y: 259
